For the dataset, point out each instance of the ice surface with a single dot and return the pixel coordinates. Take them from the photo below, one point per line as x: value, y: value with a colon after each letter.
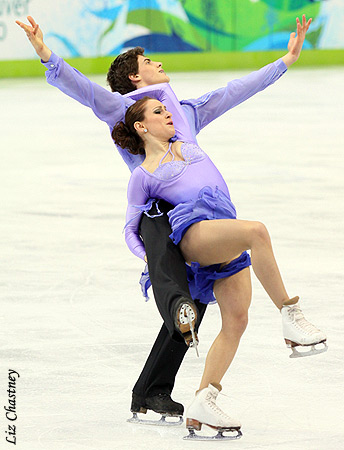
x: 73, y: 322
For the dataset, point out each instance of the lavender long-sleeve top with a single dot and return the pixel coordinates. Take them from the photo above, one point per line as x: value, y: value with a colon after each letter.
x: 189, y: 116
x: 174, y: 181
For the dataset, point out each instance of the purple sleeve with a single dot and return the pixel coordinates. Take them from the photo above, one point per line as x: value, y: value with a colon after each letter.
x: 108, y: 106
x: 215, y: 103
x: 137, y: 197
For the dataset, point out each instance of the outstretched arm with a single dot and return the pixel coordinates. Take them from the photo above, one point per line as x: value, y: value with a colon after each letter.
x: 213, y: 104
x: 107, y: 106
x: 35, y: 35
x: 296, y: 42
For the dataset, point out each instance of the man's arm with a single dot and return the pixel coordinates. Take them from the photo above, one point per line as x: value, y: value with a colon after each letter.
x: 213, y: 104
x: 35, y: 35
x: 107, y: 106
x: 296, y: 42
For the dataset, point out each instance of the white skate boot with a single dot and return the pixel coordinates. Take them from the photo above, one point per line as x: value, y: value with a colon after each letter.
x: 297, y: 331
x: 204, y: 411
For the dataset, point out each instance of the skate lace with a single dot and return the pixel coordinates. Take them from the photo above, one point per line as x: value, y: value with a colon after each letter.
x: 297, y: 316
x: 211, y: 398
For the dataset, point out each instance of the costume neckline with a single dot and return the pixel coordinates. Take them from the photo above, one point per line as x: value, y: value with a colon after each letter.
x: 168, y: 151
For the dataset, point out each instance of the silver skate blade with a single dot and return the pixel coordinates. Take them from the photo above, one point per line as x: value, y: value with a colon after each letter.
x: 162, y: 422
x: 313, y: 350
x: 194, y: 342
x: 218, y: 437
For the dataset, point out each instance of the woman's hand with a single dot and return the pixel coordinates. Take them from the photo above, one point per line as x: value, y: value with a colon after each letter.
x: 35, y: 35
x: 296, y: 41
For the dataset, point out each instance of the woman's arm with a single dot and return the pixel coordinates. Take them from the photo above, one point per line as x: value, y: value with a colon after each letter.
x: 137, y: 198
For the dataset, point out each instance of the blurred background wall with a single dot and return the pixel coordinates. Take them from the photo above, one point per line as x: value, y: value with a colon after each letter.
x: 188, y: 34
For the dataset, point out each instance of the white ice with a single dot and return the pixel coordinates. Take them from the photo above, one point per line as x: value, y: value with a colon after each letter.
x: 73, y: 322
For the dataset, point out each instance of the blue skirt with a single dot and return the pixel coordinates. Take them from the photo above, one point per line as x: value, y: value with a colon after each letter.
x: 210, y: 205
x: 201, y: 279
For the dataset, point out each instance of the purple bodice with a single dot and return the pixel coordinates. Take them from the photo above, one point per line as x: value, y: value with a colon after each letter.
x: 176, y: 182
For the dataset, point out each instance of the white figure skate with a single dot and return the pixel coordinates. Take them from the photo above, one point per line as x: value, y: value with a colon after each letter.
x: 298, y: 332
x: 204, y: 411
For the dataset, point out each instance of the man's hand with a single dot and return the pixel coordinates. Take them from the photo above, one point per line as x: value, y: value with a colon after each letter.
x: 35, y: 35
x: 296, y: 41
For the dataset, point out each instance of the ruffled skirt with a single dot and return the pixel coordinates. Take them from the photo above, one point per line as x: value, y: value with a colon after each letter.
x: 210, y: 205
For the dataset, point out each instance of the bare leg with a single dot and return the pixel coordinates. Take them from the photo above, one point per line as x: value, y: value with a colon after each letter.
x: 233, y: 295
x: 216, y: 241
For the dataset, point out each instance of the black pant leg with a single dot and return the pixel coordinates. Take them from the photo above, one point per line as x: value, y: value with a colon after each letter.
x: 168, y: 275
x: 160, y: 370
x: 166, y: 265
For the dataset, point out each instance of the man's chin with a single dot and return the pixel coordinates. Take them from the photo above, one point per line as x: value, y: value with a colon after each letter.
x: 165, y: 79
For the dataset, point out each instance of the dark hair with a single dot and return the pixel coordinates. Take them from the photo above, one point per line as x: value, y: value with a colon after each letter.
x: 124, y: 65
x: 124, y: 133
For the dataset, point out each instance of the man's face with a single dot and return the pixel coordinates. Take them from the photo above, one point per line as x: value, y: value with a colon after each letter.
x: 150, y: 72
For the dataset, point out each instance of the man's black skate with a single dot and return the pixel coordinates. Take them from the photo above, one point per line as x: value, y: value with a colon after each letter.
x: 162, y: 404
x: 185, y: 320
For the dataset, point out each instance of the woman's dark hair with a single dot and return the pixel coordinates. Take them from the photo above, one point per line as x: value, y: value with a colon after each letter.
x: 124, y: 65
x: 124, y: 133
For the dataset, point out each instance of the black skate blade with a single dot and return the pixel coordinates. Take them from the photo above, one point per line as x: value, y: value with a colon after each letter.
x: 314, y: 350
x: 218, y: 437
x: 162, y: 422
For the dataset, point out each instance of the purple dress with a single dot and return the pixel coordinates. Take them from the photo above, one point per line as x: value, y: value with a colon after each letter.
x: 198, y: 191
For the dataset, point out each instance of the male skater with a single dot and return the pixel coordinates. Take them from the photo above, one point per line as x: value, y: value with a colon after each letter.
x: 131, y: 76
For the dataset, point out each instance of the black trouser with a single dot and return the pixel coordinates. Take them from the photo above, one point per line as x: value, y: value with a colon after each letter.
x: 168, y: 276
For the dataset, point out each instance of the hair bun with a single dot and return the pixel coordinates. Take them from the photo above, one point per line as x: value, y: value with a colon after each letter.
x: 124, y: 133
x: 127, y: 139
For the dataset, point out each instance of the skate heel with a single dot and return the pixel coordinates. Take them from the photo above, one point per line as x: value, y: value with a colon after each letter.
x: 301, y: 333
x: 192, y: 424
x: 289, y: 343
x: 185, y: 322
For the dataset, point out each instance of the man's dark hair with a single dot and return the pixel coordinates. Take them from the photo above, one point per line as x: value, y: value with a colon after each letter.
x: 124, y: 65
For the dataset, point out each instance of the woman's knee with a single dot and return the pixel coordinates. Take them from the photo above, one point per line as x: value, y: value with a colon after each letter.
x: 240, y: 322
x: 235, y: 322
x: 259, y: 232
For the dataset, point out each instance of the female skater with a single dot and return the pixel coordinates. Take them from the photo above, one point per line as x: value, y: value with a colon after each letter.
x: 213, y: 241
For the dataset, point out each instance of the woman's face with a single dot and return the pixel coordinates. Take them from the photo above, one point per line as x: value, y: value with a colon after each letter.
x: 158, y: 121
